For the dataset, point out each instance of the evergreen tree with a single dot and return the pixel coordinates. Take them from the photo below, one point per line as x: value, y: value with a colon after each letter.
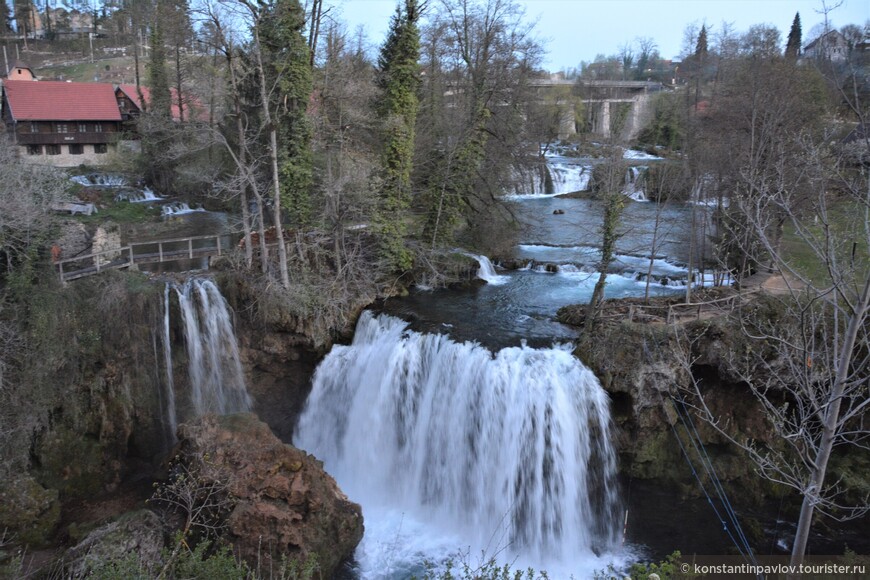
x: 158, y: 79
x: 700, y: 58
x: 793, y: 46
x: 399, y: 82
x: 23, y: 16
x: 701, y: 44
x: 287, y: 66
x: 5, y: 18
x: 155, y: 123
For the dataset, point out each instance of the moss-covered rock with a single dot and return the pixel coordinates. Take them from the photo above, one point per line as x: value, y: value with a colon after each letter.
x: 28, y: 511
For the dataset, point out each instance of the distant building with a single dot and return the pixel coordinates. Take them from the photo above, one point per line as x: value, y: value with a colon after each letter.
x: 829, y: 46
x: 59, y: 123
x: 21, y: 72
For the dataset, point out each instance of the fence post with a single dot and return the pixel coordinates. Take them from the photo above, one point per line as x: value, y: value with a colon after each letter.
x: 160, y: 250
x: 218, y: 239
x: 190, y: 247
x: 630, y: 313
x: 132, y: 262
x: 60, y: 266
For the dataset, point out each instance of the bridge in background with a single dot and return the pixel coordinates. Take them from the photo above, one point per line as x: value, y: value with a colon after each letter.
x: 607, y: 104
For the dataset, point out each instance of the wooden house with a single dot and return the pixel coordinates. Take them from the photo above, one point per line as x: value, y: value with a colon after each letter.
x: 61, y: 123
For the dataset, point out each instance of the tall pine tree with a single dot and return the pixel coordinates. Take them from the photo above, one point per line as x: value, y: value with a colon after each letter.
x: 399, y: 82
x: 5, y: 18
x: 158, y: 78
x: 793, y: 46
x: 287, y: 67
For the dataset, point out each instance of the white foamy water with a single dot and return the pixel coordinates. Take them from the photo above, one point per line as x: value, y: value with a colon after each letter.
x: 178, y: 208
x: 487, y: 270
x: 217, y: 381
x: 565, y: 177
x: 449, y: 447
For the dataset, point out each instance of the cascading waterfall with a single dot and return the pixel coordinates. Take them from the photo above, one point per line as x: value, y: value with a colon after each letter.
x: 217, y: 381
x: 507, y: 451
x: 137, y: 195
x: 171, y: 413
x: 634, y: 183
x: 100, y: 179
x: 555, y: 178
x: 486, y: 271
x: 178, y: 208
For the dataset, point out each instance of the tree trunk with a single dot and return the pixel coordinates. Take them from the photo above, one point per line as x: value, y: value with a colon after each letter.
x: 243, y: 157
x: 276, y: 178
x: 832, y: 416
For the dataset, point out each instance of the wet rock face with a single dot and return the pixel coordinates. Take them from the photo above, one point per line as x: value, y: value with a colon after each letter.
x: 285, y: 504
x: 279, y: 367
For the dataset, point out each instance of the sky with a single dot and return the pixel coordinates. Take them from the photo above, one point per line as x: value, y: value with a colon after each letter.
x: 578, y: 30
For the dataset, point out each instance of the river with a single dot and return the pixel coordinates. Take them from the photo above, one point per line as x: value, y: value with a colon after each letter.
x: 462, y: 423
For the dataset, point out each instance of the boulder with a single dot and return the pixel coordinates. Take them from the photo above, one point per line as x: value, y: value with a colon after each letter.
x: 286, y: 505
x: 138, y: 534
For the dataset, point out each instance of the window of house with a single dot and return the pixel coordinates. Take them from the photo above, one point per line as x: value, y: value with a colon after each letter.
x: 76, y: 149
x: 34, y: 127
x: 98, y: 127
x: 83, y: 127
x: 62, y: 128
x: 52, y: 149
x: 34, y: 149
x: 100, y: 148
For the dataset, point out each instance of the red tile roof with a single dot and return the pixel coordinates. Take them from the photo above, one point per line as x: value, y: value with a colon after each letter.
x: 190, y: 103
x: 61, y: 101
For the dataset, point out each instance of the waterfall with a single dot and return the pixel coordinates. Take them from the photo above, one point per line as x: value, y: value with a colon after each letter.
x: 99, y: 179
x: 178, y: 208
x: 217, y: 381
x: 634, y: 183
x: 487, y: 270
x: 556, y: 178
x: 507, y: 451
x: 171, y: 414
x: 137, y: 196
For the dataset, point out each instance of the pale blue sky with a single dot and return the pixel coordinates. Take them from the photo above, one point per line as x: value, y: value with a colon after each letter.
x: 576, y: 30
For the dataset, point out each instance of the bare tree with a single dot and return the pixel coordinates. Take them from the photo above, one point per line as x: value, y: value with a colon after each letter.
x: 27, y: 193
x: 810, y: 368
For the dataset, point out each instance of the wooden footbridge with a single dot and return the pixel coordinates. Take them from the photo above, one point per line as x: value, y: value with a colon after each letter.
x: 143, y: 253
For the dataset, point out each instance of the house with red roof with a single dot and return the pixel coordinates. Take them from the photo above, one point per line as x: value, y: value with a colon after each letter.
x: 61, y: 123
x: 186, y: 109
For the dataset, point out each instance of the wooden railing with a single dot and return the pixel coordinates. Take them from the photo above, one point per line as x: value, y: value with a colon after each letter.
x: 673, y: 312
x: 142, y: 253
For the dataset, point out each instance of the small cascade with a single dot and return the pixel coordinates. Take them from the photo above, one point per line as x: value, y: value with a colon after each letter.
x: 178, y: 208
x: 100, y: 180
x: 137, y: 195
x: 487, y: 271
x: 171, y: 414
x: 507, y: 451
x: 634, y: 183
x: 555, y: 178
x: 217, y: 381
